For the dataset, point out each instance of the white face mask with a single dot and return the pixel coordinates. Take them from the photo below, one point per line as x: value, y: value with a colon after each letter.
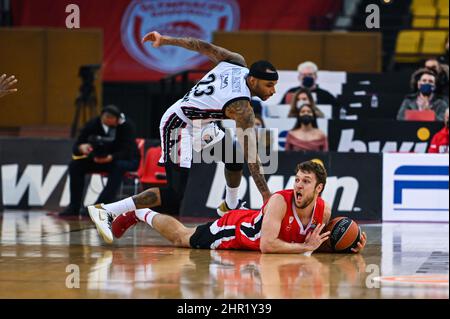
x: 300, y: 103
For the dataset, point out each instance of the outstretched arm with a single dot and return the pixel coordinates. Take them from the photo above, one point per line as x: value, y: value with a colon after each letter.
x: 6, y: 85
x: 214, y: 52
x: 242, y: 113
x: 270, y: 229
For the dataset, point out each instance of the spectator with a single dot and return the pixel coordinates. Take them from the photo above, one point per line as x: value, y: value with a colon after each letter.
x: 442, y: 75
x: 423, y: 85
x: 6, y: 85
x: 105, y: 144
x: 307, y: 75
x: 306, y: 136
x: 301, y: 97
x: 439, y: 142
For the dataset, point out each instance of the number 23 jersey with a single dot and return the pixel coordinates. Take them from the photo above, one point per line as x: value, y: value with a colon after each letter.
x: 206, y: 101
x: 223, y: 85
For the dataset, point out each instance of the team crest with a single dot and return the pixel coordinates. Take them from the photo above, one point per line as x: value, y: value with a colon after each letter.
x: 188, y: 18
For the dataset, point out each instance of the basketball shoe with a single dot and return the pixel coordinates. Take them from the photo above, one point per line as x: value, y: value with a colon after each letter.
x: 102, y: 220
x: 224, y: 209
x: 123, y: 222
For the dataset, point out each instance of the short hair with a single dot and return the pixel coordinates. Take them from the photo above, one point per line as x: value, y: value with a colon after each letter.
x: 307, y: 64
x: 418, y: 74
x: 112, y: 109
x: 316, y: 167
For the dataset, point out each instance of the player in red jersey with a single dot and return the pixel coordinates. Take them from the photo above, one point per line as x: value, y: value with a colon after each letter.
x: 439, y: 142
x: 290, y: 222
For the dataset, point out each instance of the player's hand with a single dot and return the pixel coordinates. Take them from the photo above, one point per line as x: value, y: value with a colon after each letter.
x: 6, y: 85
x: 361, y: 244
x: 154, y: 37
x: 314, y: 239
x: 103, y: 160
x: 85, y: 149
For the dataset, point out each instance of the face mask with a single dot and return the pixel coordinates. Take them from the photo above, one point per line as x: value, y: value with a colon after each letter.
x: 306, y: 119
x: 426, y: 89
x: 308, y: 81
x: 300, y: 103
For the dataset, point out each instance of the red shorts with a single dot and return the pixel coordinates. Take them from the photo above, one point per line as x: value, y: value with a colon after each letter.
x: 238, y: 229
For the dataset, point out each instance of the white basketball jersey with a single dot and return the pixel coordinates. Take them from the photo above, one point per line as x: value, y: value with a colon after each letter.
x: 221, y: 86
x: 224, y: 84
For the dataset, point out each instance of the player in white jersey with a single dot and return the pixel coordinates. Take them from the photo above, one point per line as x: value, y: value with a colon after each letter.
x: 223, y: 93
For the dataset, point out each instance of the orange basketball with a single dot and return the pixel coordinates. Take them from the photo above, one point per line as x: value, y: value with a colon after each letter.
x: 344, y: 234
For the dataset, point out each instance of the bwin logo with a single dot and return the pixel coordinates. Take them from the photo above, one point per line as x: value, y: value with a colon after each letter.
x: 348, y: 144
x: 410, y: 177
x: 347, y: 185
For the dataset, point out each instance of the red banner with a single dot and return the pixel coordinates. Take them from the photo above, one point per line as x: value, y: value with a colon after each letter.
x: 124, y: 22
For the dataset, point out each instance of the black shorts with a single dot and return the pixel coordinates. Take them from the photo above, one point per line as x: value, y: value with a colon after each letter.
x: 204, y: 239
x: 177, y: 178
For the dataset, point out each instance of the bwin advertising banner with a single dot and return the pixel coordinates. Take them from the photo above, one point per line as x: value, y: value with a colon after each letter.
x: 353, y: 186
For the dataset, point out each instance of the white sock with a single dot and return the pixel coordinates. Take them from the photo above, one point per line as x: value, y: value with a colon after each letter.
x: 120, y: 207
x: 231, y: 197
x: 146, y: 215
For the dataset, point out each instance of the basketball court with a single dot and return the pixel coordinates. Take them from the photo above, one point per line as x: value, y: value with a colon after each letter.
x: 42, y: 256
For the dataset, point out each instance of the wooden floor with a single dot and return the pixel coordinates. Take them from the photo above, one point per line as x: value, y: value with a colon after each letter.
x: 42, y: 256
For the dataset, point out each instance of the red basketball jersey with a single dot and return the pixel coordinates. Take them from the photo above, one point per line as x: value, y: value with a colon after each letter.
x: 246, y: 225
x: 292, y: 230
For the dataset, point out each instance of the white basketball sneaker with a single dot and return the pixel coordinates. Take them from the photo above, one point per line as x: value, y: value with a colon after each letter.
x: 224, y: 209
x: 102, y: 220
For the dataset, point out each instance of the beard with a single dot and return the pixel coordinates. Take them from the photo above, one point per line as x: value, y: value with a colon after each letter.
x: 306, y: 202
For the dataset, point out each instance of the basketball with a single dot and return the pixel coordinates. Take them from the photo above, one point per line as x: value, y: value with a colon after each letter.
x: 344, y: 234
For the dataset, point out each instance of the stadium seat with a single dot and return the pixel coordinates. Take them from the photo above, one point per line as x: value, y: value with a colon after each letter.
x: 422, y: 3
x: 442, y: 5
x: 153, y: 174
x: 424, y: 17
x: 408, y: 42
x: 443, y: 23
x: 407, y: 46
x: 135, y: 176
x: 433, y: 42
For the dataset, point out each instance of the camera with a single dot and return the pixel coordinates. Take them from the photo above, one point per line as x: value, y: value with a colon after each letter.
x: 87, y: 73
x: 102, y: 145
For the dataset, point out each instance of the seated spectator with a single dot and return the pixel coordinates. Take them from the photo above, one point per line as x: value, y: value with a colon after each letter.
x: 439, y: 142
x: 442, y: 75
x: 307, y: 76
x: 423, y: 85
x: 303, y: 96
x: 105, y: 144
x: 306, y: 136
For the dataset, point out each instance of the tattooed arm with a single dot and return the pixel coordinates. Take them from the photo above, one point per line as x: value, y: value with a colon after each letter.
x: 213, y: 52
x: 242, y: 113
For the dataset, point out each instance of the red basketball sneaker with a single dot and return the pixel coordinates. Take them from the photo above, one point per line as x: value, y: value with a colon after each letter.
x: 122, y: 223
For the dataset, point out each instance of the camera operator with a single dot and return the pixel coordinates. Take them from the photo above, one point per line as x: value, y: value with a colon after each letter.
x: 105, y: 144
